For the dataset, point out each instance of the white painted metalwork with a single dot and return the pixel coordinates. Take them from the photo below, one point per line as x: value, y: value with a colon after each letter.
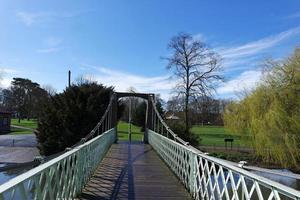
x: 210, y: 178
x: 207, y: 177
x: 62, y: 177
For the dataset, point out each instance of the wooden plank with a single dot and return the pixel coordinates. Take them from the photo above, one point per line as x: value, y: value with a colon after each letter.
x: 133, y: 171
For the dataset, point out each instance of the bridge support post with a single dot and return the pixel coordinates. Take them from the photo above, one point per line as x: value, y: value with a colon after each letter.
x: 149, y: 116
x: 193, y: 173
x: 114, y: 117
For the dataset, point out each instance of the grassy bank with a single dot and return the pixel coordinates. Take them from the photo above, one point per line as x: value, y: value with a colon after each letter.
x: 208, y: 135
x: 136, y: 134
x: 31, y: 124
x: 215, y: 135
x: 25, y: 123
x: 18, y: 131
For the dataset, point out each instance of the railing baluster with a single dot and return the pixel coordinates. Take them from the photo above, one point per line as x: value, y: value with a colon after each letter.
x: 207, y: 172
x: 64, y: 176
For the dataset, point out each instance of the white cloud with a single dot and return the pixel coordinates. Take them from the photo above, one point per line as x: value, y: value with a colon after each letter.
x: 293, y: 16
x: 27, y: 18
x: 7, y: 70
x: 30, y: 18
x: 245, y: 55
x: 258, y: 46
x: 6, y: 74
x: 5, y: 82
x: 200, y: 37
x: 52, y: 41
x: 122, y: 81
x: 52, y: 45
x: 245, y: 81
x: 163, y: 84
x: 49, y: 50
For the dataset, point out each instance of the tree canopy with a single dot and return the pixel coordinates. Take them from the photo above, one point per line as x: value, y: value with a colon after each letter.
x: 25, y: 97
x: 270, y: 114
x: 196, y: 67
x: 71, y: 115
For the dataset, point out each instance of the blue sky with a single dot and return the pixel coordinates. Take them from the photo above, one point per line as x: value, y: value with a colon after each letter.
x: 120, y: 43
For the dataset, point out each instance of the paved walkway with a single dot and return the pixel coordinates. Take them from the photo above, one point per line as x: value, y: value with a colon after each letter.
x: 26, y: 140
x: 133, y: 171
x: 18, y: 154
x: 18, y: 148
x: 22, y: 127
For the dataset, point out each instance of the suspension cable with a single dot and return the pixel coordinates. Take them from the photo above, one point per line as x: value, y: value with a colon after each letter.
x: 160, y: 124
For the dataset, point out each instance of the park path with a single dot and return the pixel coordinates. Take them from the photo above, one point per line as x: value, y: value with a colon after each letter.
x: 18, y: 148
x: 22, y: 127
x: 133, y: 171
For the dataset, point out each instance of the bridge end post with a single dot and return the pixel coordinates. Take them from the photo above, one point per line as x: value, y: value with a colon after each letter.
x: 115, y: 115
x: 149, y: 116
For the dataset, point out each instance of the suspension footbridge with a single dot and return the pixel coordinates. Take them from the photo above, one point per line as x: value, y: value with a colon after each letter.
x: 163, y: 166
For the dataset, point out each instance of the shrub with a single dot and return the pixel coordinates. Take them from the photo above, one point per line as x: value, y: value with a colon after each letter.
x: 71, y: 115
x: 139, y: 116
x: 179, y: 129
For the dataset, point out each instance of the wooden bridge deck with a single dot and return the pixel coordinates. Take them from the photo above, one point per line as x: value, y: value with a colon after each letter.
x: 133, y: 171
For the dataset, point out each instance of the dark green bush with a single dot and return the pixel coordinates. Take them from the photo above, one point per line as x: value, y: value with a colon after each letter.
x: 179, y: 129
x: 71, y: 115
x: 139, y: 116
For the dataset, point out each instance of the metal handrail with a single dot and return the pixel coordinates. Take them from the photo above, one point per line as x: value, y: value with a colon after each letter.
x: 62, y: 177
x: 164, y: 124
x: 207, y: 177
x: 200, y: 173
x: 99, y: 124
x: 108, y: 109
x: 77, y: 162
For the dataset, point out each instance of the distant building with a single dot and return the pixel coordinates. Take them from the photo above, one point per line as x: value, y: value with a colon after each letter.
x: 5, y: 118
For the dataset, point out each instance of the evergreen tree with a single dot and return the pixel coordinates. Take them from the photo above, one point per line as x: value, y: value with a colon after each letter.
x: 71, y: 115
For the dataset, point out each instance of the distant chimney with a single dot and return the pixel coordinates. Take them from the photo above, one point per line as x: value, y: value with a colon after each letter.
x: 69, y: 78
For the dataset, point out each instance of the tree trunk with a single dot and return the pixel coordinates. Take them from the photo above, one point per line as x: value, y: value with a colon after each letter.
x: 186, y: 115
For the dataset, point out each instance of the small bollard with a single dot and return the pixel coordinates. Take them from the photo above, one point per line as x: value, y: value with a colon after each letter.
x: 242, y: 163
x: 68, y: 148
x: 39, y: 159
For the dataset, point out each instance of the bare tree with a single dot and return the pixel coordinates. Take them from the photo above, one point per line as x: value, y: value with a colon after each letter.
x: 196, y: 66
x: 50, y: 90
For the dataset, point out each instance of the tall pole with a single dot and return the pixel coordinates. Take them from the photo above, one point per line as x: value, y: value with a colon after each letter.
x: 69, y: 78
x: 129, y: 132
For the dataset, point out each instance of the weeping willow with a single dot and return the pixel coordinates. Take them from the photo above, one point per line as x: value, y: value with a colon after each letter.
x: 270, y: 114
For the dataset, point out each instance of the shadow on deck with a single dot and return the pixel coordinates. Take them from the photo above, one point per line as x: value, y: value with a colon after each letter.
x: 133, y: 171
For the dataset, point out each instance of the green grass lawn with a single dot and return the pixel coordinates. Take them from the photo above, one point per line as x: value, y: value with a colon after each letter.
x: 17, y: 131
x: 25, y: 123
x: 209, y: 135
x: 215, y: 135
x: 136, y: 134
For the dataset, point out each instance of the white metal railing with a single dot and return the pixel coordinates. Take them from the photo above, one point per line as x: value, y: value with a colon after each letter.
x: 210, y: 178
x: 62, y: 177
x: 161, y: 127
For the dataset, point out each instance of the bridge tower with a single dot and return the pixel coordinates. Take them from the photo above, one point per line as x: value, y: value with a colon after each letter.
x: 149, y: 110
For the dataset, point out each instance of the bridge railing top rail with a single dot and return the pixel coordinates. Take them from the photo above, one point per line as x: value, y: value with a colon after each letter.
x: 165, y: 126
x: 265, y: 181
x: 201, y: 173
x: 62, y: 177
x: 179, y: 146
